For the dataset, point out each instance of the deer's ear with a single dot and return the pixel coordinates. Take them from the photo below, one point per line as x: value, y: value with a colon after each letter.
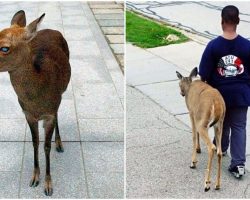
x: 193, y: 73
x: 31, y: 29
x: 19, y: 19
x: 179, y: 75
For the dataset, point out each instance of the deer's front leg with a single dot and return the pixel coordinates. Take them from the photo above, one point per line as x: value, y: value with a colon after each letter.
x: 194, y: 137
x: 33, y: 124
x: 49, y: 125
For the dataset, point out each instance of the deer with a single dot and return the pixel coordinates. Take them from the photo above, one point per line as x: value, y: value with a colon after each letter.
x: 207, y: 109
x: 39, y: 70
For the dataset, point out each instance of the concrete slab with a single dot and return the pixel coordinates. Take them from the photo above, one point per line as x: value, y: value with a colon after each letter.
x: 109, y: 11
x: 191, y: 53
x: 117, y: 48
x: 97, y: 101
x: 151, y: 70
x: 105, y: 6
x: 106, y: 185
x: 103, y: 156
x: 9, y: 184
x: 111, y: 22
x: 92, y: 70
x: 110, y: 16
x: 11, y: 156
x: 12, y: 130
x: 77, y: 32
x: 115, y: 39
x: 101, y: 129
x: 136, y: 53
x: 113, y: 30
x: 166, y: 95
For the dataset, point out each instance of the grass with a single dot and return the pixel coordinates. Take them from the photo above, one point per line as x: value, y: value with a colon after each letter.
x: 148, y: 34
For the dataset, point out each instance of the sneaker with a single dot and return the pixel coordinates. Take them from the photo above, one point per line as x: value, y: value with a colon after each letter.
x: 237, y: 171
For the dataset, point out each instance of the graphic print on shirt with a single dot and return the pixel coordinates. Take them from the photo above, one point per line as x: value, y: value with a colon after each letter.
x: 229, y: 66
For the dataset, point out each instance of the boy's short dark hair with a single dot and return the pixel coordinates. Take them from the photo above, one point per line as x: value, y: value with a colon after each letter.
x: 230, y: 14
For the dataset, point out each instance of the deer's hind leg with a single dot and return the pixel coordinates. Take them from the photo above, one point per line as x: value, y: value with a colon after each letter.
x: 218, y: 135
x: 194, y: 137
x: 59, y: 146
x: 211, y: 147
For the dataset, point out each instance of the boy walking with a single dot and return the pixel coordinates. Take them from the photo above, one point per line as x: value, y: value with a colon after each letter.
x: 225, y: 65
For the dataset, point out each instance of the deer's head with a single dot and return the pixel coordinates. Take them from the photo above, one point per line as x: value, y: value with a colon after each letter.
x: 186, y: 81
x: 14, y: 41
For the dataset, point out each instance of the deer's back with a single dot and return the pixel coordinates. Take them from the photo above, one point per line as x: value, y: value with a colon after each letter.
x: 203, y: 99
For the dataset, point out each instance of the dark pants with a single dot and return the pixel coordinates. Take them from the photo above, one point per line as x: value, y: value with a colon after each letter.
x: 235, y: 121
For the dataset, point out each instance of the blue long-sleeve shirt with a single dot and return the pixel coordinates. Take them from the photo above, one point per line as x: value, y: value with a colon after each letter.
x: 225, y: 65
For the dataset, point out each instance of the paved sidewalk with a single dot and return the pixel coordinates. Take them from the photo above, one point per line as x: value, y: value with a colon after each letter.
x: 159, y: 154
x: 90, y: 115
x: 110, y: 17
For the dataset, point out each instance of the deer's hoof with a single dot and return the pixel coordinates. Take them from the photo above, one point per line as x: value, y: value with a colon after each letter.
x: 217, y: 187
x: 60, y: 149
x: 48, y: 190
x: 207, y: 188
x: 34, y: 182
x: 193, y: 165
x: 35, y: 178
x: 198, y: 150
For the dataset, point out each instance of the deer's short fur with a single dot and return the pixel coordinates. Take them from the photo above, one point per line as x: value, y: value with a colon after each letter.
x: 206, y: 109
x: 39, y: 69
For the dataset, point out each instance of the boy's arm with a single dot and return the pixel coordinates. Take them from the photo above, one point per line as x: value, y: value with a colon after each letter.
x: 206, y: 63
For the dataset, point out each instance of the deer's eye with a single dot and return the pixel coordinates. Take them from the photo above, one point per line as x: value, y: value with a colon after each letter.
x: 4, y: 49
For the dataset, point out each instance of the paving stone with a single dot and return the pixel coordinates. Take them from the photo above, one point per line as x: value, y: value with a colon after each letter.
x: 113, y: 39
x: 111, y: 22
x: 120, y: 59
x: 71, y: 19
x: 101, y: 129
x: 67, y: 123
x: 72, y: 10
x: 106, y: 6
x: 113, y: 30
x: 110, y: 11
x: 106, y: 185
x: 117, y: 48
x: 101, y: 2
x: 77, y: 32
x: 110, y: 16
x: 67, y: 172
x: 103, y: 156
x: 91, y: 69
x: 80, y: 49
x: 9, y: 184
x: 97, y: 101
x: 71, y: 4
x: 11, y: 155
x: 12, y: 129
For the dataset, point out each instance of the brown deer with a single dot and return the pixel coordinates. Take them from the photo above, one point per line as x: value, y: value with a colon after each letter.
x: 39, y: 69
x: 206, y: 109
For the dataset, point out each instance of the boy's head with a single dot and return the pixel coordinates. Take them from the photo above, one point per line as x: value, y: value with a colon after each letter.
x: 230, y: 16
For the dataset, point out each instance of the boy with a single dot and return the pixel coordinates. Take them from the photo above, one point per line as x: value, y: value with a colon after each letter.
x: 225, y: 65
